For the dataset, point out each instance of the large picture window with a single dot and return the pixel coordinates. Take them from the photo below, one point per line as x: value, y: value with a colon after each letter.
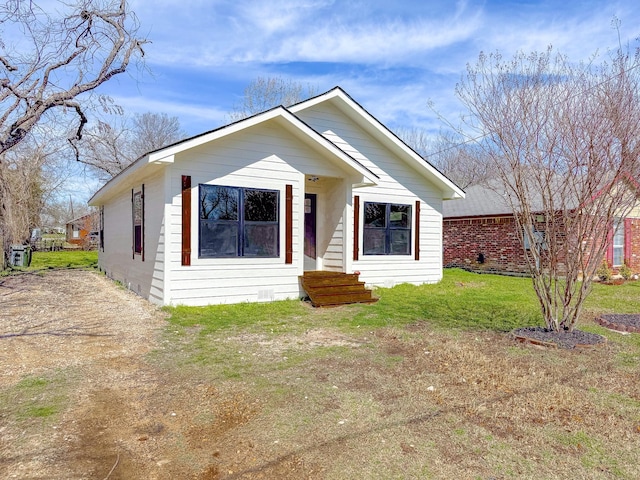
x: 387, y: 229
x: 239, y: 222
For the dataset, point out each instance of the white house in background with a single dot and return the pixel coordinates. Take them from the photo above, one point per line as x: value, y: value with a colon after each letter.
x: 238, y: 213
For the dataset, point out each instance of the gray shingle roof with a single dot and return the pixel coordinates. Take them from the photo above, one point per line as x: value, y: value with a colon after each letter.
x: 479, y: 201
x: 490, y: 198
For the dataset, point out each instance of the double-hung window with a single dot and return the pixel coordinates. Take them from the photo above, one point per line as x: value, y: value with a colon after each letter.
x: 239, y: 222
x: 618, y: 242
x: 387, y: 229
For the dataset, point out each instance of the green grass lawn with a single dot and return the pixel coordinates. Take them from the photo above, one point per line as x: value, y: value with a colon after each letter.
x: 462, y: 300
x: 64, y: 259
x: 425, y: 383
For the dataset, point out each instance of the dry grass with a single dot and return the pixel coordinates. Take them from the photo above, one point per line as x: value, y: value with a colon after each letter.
x: 297, y: 393
x: 414, y: 402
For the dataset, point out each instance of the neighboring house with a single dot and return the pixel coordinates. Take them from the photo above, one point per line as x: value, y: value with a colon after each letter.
x: 480, y: 233
x: 80, y: 230
x: 239, y: 213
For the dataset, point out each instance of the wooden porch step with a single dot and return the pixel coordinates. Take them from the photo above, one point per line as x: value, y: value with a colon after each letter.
x: 335, y: 288
x: 342, y: 299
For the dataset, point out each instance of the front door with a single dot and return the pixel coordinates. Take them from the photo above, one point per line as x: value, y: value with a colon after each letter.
x: 310, y: 261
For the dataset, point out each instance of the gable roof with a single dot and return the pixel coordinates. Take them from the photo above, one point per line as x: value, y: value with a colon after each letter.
x: 83, y: 218
x: 359, y: 115
x: 287, y: 118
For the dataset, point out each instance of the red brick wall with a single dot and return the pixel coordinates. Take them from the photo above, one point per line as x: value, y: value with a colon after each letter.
x: 496, y: 238
x: 634, y: 255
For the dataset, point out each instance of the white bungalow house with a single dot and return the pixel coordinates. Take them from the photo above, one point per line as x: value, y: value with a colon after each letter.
x: 239, y: 213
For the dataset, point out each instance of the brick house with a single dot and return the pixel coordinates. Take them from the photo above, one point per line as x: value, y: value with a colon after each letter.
x: 82, y: 230
x: 480, y: 234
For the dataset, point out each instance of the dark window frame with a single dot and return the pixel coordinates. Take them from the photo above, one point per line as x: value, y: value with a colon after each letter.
x: 101, y: 232
x: 137, y: 214
x: 388, y: 228
x: 240, y: 226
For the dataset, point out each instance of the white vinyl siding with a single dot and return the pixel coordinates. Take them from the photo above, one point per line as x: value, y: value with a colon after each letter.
x: 398, y: 183
x: 142, y: 277
x: 262, y: 157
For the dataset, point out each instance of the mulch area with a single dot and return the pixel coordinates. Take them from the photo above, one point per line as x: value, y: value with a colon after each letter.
x: 623, y: 322
x: 540, y: 336
x: 577, y: 338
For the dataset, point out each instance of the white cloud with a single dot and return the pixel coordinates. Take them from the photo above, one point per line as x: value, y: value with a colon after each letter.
x: 574, y: 30
x: 357, y: 44
x: 312, y: 31
x: 392, y: 57
x: 373, y: 43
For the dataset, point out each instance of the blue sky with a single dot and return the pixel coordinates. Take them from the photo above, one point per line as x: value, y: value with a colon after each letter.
x: 393, y: 57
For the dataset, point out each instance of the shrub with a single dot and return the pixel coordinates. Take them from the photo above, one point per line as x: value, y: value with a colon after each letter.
x: 625, y: 271
x: 604, y: 272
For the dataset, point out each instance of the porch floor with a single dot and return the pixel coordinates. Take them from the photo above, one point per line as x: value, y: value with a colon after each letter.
x: 327, y: 289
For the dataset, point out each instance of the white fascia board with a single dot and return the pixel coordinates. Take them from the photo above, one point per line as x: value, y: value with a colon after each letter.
x: 131, y: 172
x: 161, y: 160
x: 163, y: 155
x: 166, y: 156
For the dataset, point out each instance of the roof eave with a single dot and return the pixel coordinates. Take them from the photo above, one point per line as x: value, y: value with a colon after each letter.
x: 166, y: 156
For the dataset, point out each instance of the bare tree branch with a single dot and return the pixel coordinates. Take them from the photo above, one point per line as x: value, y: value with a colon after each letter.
x: 267, y: 92
x: 462, y: 162
x: 66, y: 57
x: 112, y: 144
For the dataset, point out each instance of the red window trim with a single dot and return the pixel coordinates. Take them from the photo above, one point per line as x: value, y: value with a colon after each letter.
x: 186, y: 220
x: 356, y: 227
x: 288, y: 224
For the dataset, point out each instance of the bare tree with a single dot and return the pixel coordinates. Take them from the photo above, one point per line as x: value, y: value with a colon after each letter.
x: 265, y: 93
x: 153, y: 131
x: 58, y: 211
x: 47, y: 61
x: 114, y: 143
x: 105, y: 148
x: 460, y: 160
x: 32, y: 173
x: 22, y: 192
x: 562, y: 140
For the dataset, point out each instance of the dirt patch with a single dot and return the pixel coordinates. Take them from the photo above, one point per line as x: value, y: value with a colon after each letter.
x: 121, y: 415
